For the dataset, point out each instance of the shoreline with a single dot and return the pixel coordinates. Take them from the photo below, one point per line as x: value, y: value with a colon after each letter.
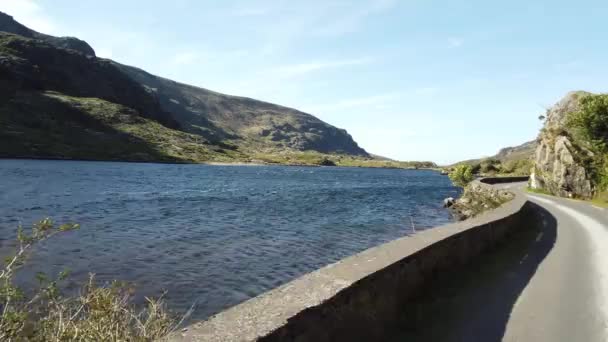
x: 210, y: 163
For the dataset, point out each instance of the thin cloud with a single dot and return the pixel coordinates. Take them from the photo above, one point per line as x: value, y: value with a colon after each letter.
x: 367, y: 101
x: 305, y: 68
x: 250, y: 12
x: 567, y: 66
x: 426, y: 91
x: 185, y: 58
x: 455, y: 42
x: 351, y: 20
x: 29, y: 13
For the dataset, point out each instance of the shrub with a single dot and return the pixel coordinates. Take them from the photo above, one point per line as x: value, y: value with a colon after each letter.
x: 97, y: 314
x: 489, y: 166
x: 522, y: 167
x: 462, y: 175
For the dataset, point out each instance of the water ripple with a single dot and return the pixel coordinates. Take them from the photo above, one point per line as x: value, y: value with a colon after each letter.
x: 213, y: 235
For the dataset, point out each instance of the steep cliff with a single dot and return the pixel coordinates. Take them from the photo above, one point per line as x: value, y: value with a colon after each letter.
x: 566, y: 160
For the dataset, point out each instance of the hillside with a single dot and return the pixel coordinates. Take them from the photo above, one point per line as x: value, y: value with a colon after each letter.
x: 46, y: 124
x: 34, y: 65
x: 515, y: 160
x: 523, y: 151
x: 255, y: 123
x: 8, y: 24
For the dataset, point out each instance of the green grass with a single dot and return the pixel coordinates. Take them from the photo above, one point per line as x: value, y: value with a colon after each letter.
x: 601, y: 199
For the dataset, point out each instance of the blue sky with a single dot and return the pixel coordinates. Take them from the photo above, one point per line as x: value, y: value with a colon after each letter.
x: 409, y: 79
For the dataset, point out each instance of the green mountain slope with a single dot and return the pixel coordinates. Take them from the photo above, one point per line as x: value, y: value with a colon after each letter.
x: 44, y: 124
x: 514, y: 160
x: 256, y: 124
x: 34, y: 63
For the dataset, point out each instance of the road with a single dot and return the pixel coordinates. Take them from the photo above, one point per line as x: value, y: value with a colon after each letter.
x: 567, y: 298
x: 548, y: 284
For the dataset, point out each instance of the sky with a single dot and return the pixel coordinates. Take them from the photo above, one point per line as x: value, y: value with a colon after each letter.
x: 408, y: 79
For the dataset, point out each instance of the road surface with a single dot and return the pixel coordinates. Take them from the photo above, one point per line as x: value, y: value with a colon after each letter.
x: 567, y: 299
x: 549, y: 284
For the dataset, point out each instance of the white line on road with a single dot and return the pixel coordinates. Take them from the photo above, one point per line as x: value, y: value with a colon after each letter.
x: 598, y: 234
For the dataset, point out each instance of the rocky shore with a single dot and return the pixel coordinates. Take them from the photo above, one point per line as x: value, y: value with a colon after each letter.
x: 476, y: 198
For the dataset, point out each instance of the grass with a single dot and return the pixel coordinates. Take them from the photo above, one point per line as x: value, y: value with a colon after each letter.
x: 600, y: 200
x: 538, y: 191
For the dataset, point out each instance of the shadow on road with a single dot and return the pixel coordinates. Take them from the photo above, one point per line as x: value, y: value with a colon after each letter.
x: 474, y: 303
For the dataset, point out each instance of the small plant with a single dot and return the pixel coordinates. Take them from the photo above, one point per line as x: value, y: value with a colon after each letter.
x: 97, y: 314
x: 462, y: 175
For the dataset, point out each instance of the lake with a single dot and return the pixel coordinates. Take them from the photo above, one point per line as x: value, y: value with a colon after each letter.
x: 210, y: 235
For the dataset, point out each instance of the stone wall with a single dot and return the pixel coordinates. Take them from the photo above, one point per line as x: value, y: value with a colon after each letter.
x: 357, y: 298
x: 503, y: 180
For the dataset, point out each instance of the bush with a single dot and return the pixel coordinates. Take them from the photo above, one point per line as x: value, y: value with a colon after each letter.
x: 522, y: 167
x: 489, y: 166
x: 97, y: 314
x: 462, y: 175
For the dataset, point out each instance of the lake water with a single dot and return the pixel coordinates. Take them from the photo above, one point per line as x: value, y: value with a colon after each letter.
x: 211, y: 235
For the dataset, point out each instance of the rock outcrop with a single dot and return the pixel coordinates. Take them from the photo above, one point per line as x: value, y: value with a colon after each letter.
x: 477, y: 198
x: 558, y: 168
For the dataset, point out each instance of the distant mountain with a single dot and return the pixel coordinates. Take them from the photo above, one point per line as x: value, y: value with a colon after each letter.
x: 524, y: 151
x: 84, y: 91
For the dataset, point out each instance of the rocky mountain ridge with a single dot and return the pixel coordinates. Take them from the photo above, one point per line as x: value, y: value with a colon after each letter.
x: 230, y: 125
x: 9, y: 24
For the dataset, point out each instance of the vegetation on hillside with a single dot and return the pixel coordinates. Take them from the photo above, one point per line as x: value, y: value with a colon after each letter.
x: 313, y: 158
x: 497, y: 167
x: 589, y: 127
x: 98, y: 313
x: 69, y: 127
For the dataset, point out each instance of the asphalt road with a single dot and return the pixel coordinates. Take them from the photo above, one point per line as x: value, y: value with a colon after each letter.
x: 567, y: 298
x: 547, y: 283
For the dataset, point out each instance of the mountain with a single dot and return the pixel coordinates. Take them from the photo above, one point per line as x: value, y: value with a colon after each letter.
x: 523, y: 151
x: 257, y: 124
x: 8, y: 24
x: 506, y: 155
x: 105, y: 100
